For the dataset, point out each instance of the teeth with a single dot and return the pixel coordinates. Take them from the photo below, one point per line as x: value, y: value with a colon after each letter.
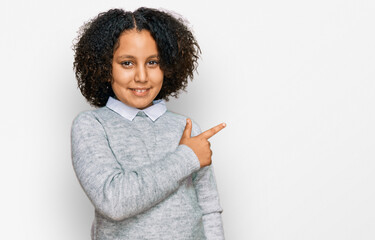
x: 139, y: 90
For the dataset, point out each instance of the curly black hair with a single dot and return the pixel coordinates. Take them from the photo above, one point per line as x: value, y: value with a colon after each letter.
x: 98, y: 39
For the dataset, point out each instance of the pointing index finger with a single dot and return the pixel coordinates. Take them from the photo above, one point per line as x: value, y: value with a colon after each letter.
x: 210, y: 132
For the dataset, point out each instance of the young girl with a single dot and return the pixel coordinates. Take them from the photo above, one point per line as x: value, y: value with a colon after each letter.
x: 145, y: 169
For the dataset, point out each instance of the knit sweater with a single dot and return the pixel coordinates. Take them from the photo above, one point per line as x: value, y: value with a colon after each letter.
x: 142, y: 183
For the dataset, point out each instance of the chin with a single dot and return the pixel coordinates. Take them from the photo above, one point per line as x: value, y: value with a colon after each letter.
x: 142, y: 106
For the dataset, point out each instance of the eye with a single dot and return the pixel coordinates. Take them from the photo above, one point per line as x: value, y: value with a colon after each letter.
x: 126, y: 64
x: 153, y: 63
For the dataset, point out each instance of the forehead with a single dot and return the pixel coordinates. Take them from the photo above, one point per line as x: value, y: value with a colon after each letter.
x: 133, y: 42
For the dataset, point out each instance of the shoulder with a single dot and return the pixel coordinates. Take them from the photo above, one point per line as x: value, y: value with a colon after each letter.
x: 84, y: 123
x: 84, y: 117
x: 90, y: 126
x: 95, y: 115
x: 91, y: 119
x: 181, y: 121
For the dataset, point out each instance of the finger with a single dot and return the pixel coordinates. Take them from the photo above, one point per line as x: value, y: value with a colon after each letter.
x: 187, y: 131
x: 210, y: 132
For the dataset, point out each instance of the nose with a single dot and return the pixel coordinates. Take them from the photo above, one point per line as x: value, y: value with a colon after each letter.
x: 141, y: 74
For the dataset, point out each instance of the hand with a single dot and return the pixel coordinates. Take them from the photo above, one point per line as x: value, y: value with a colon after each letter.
x: 200, y: 144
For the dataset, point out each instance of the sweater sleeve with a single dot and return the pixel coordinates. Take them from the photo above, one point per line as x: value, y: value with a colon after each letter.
x: 208, y: 199
x: 115, y: 192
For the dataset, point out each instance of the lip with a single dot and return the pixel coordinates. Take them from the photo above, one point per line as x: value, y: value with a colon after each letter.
x: 140, y: 92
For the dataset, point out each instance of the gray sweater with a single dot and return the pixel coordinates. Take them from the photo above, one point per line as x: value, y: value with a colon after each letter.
x: 142, y: 183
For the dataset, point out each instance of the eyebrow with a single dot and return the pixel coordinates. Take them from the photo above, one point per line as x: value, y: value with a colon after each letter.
x: 132, y: 57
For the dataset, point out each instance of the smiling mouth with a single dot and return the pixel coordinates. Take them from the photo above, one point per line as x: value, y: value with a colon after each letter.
x: 140, y: 91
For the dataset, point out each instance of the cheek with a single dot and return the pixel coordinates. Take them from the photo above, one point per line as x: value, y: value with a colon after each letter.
x: 120, y: 77
x: 158, y: 78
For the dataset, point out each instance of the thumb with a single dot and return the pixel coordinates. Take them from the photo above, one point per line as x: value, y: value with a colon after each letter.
x: 187, y: 131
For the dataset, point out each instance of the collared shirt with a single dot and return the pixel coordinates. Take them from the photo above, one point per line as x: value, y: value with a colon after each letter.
x: 153, y: 112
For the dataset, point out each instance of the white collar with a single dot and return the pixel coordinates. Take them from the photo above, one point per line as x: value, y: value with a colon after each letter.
x: 153, y: 112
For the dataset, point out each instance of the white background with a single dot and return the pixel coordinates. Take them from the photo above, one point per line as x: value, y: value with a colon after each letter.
x: 294, y: 81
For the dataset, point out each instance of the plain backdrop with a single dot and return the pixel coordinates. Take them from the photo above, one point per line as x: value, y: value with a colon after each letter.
x: 294, y: 81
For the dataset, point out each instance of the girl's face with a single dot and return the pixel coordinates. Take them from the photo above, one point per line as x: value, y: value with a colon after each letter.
x: 136, y: 74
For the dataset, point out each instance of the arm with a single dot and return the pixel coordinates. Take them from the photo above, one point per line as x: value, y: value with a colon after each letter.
x: 208, y: 199
x: 115, y: 192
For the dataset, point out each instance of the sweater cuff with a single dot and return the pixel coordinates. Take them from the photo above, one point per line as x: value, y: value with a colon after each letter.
x: 191, y: 159
x: 213, y: 226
